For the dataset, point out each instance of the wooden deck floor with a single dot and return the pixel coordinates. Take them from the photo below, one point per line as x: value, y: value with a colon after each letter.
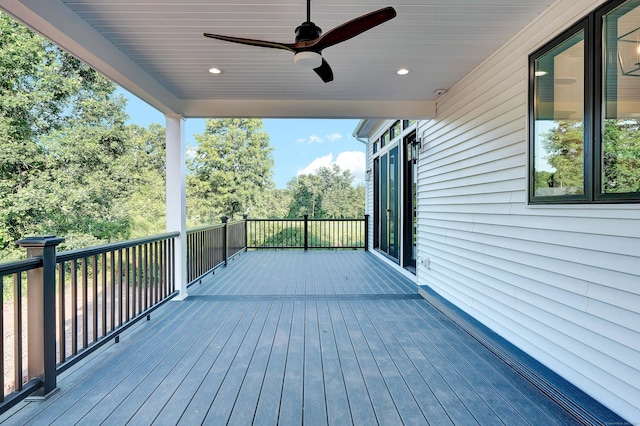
x: 295, y: 338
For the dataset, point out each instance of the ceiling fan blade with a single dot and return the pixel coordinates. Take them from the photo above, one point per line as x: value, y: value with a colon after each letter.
x: 353, y: 28
x: 252, y: 42
x: 324, y: 71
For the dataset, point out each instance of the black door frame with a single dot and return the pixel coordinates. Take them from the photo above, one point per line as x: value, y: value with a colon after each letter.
x: 409, y: 203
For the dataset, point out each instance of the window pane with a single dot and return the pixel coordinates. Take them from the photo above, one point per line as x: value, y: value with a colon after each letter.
x: 407, y: 123
x: 395, y: 130
x: 559, y: 119
x: 384, y: 139
x: 620, y: 163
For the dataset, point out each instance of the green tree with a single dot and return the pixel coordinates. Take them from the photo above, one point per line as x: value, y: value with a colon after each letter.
x: 271, y: 204
x: 621, y: 156
x: 231, y: 166
x: 564, y: 146
x: 544, y: 179
x: 328, y: 193
x: 307, y: 193
x: 147, y: 165
x: 68, y: 163
x: 62, y: 136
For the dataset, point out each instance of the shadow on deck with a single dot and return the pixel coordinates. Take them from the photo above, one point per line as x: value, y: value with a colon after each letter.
x: 290, y: 338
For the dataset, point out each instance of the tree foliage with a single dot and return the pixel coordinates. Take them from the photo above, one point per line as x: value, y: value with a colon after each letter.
x: 232, y: 165
x: 69, y: 165
x: 621, y: 156
x: 328, y: 193
x: 564, y: 148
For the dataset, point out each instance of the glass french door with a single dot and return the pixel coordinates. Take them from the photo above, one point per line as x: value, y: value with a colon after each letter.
x: 387, y: 183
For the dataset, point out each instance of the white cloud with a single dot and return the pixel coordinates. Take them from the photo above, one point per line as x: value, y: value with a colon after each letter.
x: 315, y: 139
x: 354, y: 161
x: 318, y: 139
x: 325, y: 161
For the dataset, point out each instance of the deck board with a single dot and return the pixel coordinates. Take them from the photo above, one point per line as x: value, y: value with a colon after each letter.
x: 288, y: 338
x: 337, y: 401
x: 268, y: 407
x: 248, y: 394
x: 360, y: 406
x: 381, y: 399
x: 291, y: 401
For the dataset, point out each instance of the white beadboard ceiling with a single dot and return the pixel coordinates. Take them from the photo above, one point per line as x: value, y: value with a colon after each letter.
x: 155, y: 49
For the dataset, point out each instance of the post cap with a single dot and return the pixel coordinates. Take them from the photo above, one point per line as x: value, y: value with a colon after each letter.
x: 40, y: 241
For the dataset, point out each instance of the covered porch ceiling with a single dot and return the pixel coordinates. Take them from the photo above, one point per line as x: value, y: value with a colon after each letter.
x: 155, y: 49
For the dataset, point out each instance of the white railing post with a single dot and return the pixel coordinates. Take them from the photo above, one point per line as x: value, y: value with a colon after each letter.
x: 177, y: 197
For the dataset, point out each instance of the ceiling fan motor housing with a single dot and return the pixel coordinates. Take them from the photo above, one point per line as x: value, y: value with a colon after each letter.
x: 307, y: 31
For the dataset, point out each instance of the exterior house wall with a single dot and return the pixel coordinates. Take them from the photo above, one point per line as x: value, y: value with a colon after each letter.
x: 560, y: 282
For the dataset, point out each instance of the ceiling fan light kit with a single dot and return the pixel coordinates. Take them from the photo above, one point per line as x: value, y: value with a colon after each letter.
x: 309, y: 40
x: 308, y: 59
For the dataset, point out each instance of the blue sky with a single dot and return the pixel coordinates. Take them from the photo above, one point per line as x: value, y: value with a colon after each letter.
x: 300, y: 145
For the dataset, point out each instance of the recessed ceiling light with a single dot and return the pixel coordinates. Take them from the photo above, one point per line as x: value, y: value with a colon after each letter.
x: 215, y: 70
x: 402, y: 71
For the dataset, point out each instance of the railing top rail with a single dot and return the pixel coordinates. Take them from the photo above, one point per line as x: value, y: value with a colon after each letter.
x: 209, y: 227
x: 299, y: 219
x: 292, y: 219
x: 204, y: 228
x: 20, y: 266
x: 342, y: 219
x: 92, y: 251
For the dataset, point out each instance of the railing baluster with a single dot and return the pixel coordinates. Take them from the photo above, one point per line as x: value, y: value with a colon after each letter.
x: 94, y: 266
x: 163, y: 270
x: 62, y: 338
x: 172, y: 266
x: 146, y: 273
x: 74, y: 306
x: 133, y: 282
x: 137, y: 283
x: 17, y: 330
x: 154, y: 266
x: 85, y: 303
x: 115, y: 279
x: 154, y: 275
x: 2, y: 331
x: 103, y: 299
x: 124, y: 296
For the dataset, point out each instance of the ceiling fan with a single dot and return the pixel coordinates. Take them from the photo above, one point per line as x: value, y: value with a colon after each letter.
x: 310, y: 41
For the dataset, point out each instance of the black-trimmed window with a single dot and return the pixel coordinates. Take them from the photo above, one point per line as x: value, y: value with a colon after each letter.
x: 584, y: 109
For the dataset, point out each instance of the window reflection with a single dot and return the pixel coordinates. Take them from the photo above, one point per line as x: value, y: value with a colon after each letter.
x: 620, y: 162
x: 559, y: 119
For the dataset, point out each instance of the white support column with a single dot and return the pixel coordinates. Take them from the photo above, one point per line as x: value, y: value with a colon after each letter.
x: 177, y: 197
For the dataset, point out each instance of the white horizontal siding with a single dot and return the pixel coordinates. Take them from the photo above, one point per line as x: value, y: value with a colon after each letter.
x: 561, y: 282
x: 368, y: 209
